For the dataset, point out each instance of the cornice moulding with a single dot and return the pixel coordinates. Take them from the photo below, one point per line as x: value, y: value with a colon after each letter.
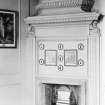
x: 66, y: 18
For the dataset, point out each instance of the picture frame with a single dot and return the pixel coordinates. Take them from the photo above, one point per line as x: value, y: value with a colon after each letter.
x: 51, y: 57
x: 8, y: 28
x: 70, y: 57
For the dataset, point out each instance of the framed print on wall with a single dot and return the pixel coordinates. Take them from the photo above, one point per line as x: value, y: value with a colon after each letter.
x: 8, y: 28
x: 70, y: 57
x: 51, y: 57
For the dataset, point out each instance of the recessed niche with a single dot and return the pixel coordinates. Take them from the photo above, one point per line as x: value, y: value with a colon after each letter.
x: 61, y: 94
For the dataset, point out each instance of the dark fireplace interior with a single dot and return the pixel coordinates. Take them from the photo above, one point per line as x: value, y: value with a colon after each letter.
x: 61, y: 94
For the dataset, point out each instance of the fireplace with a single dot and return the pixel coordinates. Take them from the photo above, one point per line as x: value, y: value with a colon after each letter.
x: 59, y: 94
x: 62, y: 94
x: 64, y: 48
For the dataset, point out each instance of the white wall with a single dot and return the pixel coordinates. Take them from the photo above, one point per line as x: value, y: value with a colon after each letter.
x: 9, y: 66
x: 26, y: 54
x: 15, y: 78
x: 11, y: 84
x: 9, y: 58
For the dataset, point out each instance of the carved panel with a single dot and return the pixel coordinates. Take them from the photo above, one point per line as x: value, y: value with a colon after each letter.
x: 67, y: 58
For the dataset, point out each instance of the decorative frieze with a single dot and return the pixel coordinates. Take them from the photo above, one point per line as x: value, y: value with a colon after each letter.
x: 66, y: 18
x: 58, y: 3
x: 47, y: 7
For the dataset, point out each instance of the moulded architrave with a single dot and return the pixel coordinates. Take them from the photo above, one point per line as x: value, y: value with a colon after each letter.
x: 93, y: 70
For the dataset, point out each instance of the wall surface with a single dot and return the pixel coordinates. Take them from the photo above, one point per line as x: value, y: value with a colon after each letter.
x: 26, y: 54
x: 11, y: 77
x: 9, y: 58
x: 9, y: 66
x: 15, y: 78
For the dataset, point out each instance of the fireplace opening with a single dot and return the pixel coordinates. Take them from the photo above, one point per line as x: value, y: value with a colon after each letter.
x: 61, y: 94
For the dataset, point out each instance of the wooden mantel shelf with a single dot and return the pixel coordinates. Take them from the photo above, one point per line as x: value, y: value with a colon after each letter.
x: 65, y: 18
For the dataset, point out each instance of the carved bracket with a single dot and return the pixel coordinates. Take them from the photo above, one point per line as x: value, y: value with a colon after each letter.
x: 94, y: 25
x: 93, y: 29
x: 30, y: 30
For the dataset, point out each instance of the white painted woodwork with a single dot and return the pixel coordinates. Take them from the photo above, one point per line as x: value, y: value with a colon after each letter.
x: 70, y: 30
x: 52, y: 7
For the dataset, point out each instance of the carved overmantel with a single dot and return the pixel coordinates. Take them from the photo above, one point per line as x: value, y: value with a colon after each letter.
x: 64, y: 23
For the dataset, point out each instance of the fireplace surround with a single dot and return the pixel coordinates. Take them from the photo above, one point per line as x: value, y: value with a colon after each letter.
x: 62, y: 94
x: 65, y: 51
x: 69, y: 92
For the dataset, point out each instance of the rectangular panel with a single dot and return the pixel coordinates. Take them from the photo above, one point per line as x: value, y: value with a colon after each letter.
x: 50, y: 57
x: 70, y: 57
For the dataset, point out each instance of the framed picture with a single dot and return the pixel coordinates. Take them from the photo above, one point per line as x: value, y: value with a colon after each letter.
x: 70, y: 57
x: 8, y: 28
x: 50, y: 57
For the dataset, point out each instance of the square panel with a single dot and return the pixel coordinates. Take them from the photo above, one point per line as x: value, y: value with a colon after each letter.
x: 50, y: 57
x: 70, y: 57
